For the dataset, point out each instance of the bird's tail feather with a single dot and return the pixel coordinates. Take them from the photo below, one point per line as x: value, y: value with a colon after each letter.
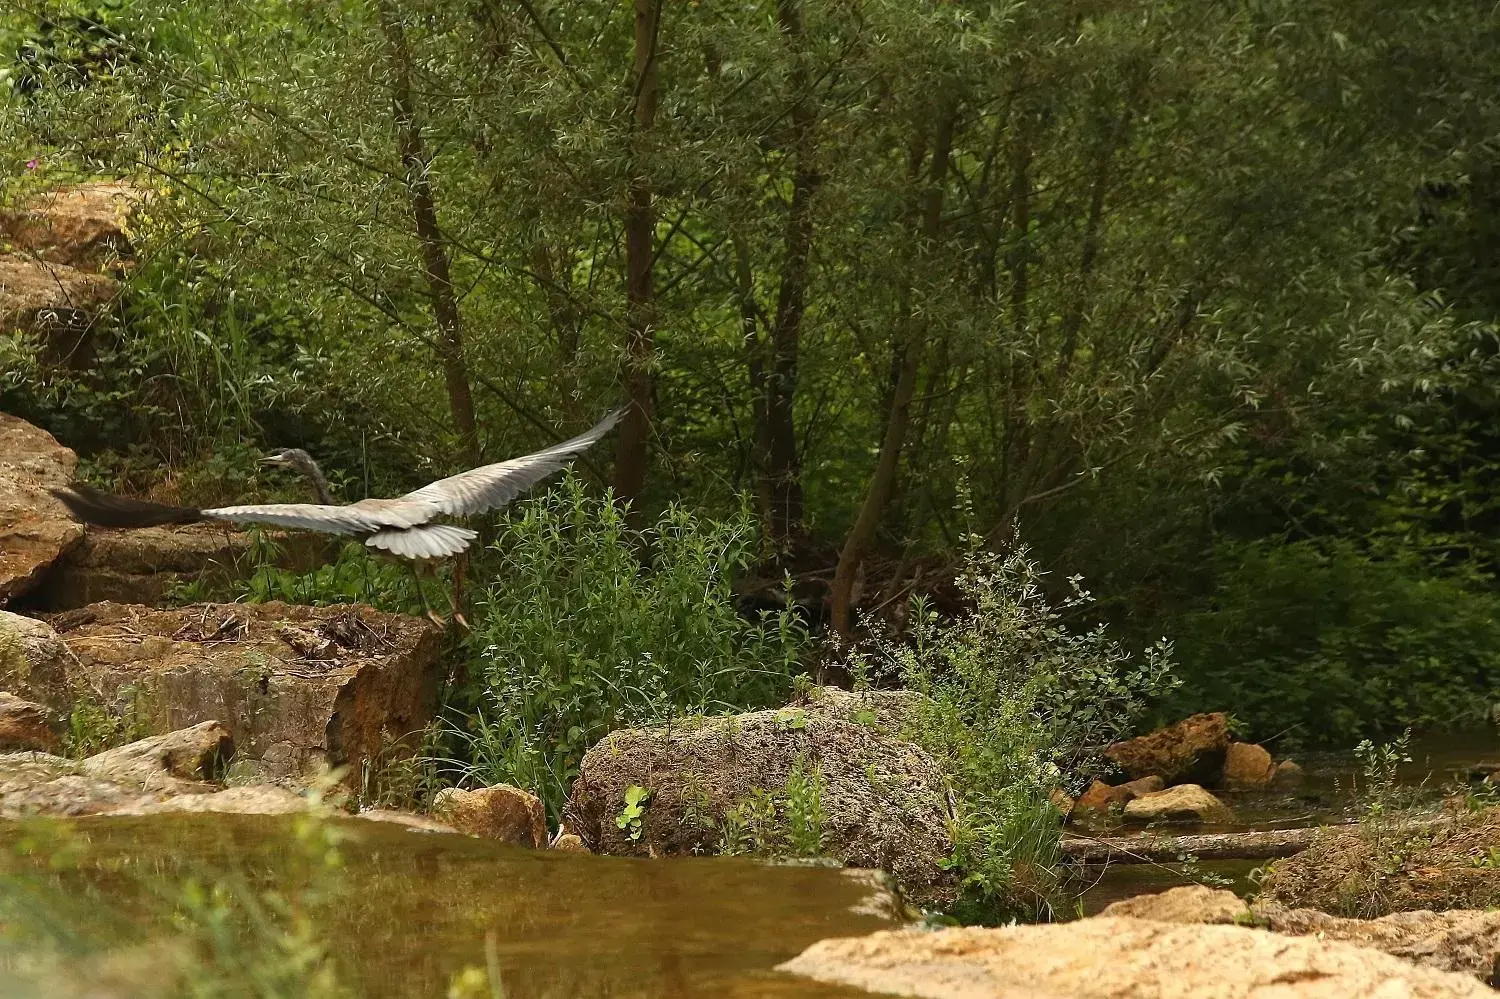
x: 91, y: 506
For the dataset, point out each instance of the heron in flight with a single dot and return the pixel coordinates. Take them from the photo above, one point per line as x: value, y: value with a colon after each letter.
x: 407, y: 526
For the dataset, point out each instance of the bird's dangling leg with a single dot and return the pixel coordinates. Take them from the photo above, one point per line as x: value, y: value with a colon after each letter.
x: 416, y: 577
x: 460, y: 567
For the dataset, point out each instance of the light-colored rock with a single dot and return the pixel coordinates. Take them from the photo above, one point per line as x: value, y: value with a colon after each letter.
x: 35, y: 529
x: 1118, y: 958
x: 885, y: 802
x: 1196, y: 904
x: 1183, y: 803
x: 1191, y: 751
x: 83, y: 225
x: 1247, y: 767
x: 570, y: 843
x: 194, y: 755
x: 26, y: 725
x: 248, y: 799
x: 1062, y: 801
x: 501, y: 812
x: 301, y: 687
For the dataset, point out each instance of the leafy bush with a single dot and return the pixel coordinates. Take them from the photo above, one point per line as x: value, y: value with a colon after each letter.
x: 1020, y: 705
x: 1322, y: 641
x: 577, y: 636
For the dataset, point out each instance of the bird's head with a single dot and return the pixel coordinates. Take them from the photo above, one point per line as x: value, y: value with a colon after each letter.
x: 291, y: 457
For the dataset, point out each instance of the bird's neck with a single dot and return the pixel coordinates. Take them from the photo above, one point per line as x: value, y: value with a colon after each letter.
x: 315, y: 476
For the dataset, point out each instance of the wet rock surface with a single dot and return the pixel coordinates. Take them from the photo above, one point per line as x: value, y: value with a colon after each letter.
x: 300, y: 687
x: 885, y: 802
x: 35, y: 529
x: 1121, y: 958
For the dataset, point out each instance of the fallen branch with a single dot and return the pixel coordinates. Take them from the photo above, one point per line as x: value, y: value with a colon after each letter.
x: 1262, y: 844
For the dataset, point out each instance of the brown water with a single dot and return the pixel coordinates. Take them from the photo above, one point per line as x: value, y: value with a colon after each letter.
x: 405, y: 912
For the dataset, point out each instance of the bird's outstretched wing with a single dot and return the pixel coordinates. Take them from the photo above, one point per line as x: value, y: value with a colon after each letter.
x: 349, y: 519
x: 492, y: 486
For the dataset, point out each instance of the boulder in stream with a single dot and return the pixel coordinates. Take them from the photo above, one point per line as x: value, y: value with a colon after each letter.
x: 698, y: 785
x: 1183, y: 803
x: 1247, y: 767
x: 1191, y: 751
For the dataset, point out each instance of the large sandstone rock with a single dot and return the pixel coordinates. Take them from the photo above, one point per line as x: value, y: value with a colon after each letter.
x: 35, y: 529
x: 891, y: 712
x: 1100, y: 798
x: 34, y: 662
x: 27, y: 726
x: 1120, y: 958
x: 1191, y: 751
x: 1466, y: 940
x: 84, y: 225
x: 300, y: 687
x: 885, y: 802
x: 1183, y: 803
x: 1247, y: 767
x: 501, y: 812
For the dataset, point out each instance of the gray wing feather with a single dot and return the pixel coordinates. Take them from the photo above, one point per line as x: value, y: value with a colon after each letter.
x: 428, y: 541
x: 492, y: 486
x: 350, y: 519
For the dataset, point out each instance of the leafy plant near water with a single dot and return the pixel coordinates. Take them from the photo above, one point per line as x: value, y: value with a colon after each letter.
x: 629, y: 819
x: 789, y: 824
x: 1019, y: 703
x: 576, y: 636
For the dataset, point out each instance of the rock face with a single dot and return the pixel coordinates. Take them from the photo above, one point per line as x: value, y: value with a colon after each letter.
x: 35, y: 529
x: 84, y: 225
x: 1374, y: 870
x: 194, y: 755
x: 55, y: 302
x: 889, y: 712
x: 1120, y: 958
x: 884, y: 802
x: 501, y: 812
x: 1183, y: 803
x: 1465, y: 941
x: 299, y: 686
x: 34, y: 661
x: 1247, y: 767
x: 141, y: 566
x: 1191, y: 751
x: 26, y: 726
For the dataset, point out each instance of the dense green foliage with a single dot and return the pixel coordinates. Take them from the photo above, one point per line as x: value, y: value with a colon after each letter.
x: 576, y: 637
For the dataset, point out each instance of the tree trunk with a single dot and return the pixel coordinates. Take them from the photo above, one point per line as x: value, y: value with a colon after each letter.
x: 782, y: 467
x: 634, y: 440
x: 415, y: 162
x: 907, y: 350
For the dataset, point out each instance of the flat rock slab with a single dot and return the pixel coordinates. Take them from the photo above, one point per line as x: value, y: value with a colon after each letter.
x: 35, y: 529
x: 1121, y: 958
x: 298, y: 687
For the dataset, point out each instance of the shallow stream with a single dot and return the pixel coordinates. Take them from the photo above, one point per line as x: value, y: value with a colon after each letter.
x: 405, y: 913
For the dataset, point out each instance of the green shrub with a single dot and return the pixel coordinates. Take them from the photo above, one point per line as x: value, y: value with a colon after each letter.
x: 1322, y: 641
x: 578, y: 636
x: 1020, y: 705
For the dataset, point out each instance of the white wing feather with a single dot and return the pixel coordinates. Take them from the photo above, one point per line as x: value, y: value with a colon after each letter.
x: 429, y: 541
x: 492, y: 486
x: 307, y: 516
